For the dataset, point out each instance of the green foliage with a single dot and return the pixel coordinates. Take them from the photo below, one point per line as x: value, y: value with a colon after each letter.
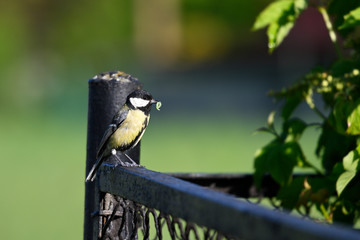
x: 351, y: 19
x: 351, y: 167
x: 279, y: 17
x: 353, y: 120
x: 335, y: 192
x: 283, y: 151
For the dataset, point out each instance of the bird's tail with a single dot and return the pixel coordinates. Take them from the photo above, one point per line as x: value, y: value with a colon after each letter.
x: 92, y: 174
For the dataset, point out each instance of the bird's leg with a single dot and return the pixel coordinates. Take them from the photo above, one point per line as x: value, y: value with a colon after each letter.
x: 123, y: 164
x: 133, y: 163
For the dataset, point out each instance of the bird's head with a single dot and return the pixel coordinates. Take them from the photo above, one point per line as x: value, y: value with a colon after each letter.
x: 140, y: 99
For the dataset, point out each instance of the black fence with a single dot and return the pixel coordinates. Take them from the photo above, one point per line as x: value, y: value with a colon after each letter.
x: 136, y: 203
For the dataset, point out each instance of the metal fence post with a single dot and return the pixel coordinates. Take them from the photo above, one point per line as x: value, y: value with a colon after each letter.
x: 107, y: 93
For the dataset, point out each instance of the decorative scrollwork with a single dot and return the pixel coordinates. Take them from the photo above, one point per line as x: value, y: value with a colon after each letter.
x: 124, y: 219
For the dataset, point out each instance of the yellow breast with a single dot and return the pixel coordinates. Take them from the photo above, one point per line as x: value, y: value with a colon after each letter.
x: 130, y: 128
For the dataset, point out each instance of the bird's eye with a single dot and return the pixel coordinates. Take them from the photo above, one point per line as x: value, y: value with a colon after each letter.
x: 147, y: 97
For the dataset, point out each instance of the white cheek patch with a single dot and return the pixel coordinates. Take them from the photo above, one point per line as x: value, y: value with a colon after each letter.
x: 139, y: 102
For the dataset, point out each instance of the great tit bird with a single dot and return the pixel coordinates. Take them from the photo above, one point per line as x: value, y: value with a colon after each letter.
x: 126, y: 129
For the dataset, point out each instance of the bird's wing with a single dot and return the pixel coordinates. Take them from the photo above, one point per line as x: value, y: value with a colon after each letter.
x: 100, y: 154
x: 115, y: 123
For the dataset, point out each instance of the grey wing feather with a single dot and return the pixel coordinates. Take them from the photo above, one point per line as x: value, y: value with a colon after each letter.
x: 116, y: 121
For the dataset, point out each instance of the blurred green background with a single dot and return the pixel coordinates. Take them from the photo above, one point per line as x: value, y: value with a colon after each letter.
x: 198, y: 57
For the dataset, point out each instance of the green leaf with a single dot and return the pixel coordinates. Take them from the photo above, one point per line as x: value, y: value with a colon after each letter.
x: 280, y: 17
x: 272, y: 13
x: 339, y: 114
x: 265, y: 130
x: 289, y: 195
x: 337, y: 170
x: 300, y: 5
x: 351, y: 19
x: 292, y: 102
x: 351, y: 167
x: 309, y: 98
x: 353, y: 121
x: 351, y: 161
x: 278, y: 159
x: 280, y: 169
x: 270, y: 125
x: 276, y: 33
x: 343, y: 181
x: 339, y: 8
x: 261, y: 164
x: 284, y: 157
x: 270, y: 120
x: 333, y: 147
x: 348, y: 159
x: 294, y: 129
x: 295, y: 152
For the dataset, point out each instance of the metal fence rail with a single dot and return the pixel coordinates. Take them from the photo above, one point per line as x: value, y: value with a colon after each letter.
x: 237, y: 184
x: 212, y: 209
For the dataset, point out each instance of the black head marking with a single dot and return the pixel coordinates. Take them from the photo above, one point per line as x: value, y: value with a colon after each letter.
x: 134, y: 100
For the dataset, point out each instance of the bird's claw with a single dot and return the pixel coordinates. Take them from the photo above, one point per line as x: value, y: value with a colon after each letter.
x: 127, y: 164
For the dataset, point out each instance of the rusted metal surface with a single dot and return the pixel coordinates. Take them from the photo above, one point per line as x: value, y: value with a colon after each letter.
x: 107, y: 93
x: 212, y: 209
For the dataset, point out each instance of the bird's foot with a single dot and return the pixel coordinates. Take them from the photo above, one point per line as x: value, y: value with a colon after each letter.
x: 128, y: 164
x: 122, y: 164
x: 132, y: 163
